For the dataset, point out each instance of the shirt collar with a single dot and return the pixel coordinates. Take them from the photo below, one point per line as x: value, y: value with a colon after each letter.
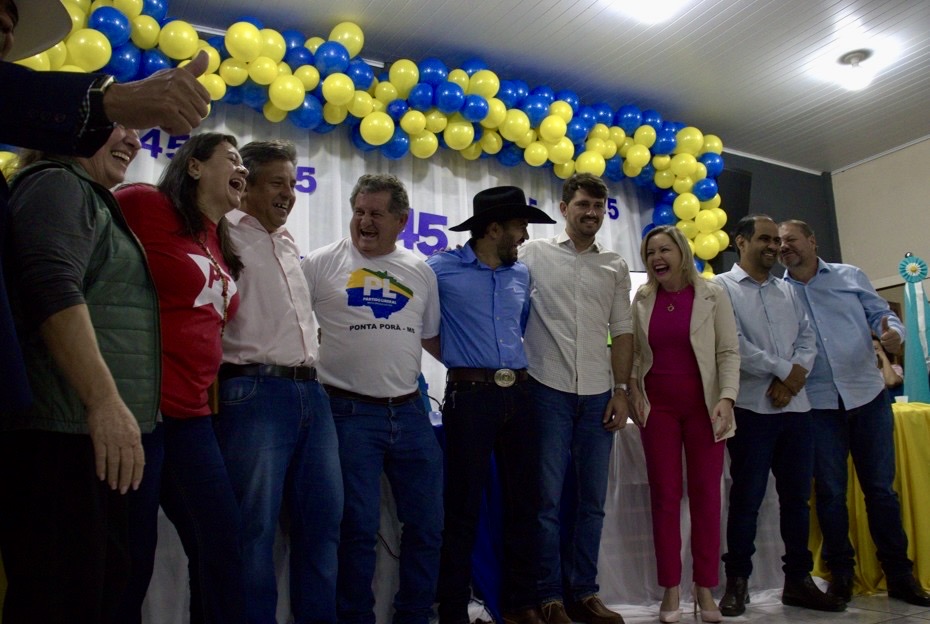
x: 740, y: 274
x: 822, y: 267
x: 563, y: 238
x: 238, y: 217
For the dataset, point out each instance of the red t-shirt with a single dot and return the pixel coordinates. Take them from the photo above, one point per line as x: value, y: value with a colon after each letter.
x: 190, y: 298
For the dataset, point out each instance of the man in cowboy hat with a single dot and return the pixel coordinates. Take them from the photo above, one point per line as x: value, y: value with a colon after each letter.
x: 484, y: 301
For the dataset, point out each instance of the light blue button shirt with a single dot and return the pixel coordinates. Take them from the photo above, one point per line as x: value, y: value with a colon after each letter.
x: 774, y: 334
x: 845, y: 310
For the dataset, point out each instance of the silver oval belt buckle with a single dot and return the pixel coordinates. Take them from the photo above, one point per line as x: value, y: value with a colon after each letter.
x: 505, y: 377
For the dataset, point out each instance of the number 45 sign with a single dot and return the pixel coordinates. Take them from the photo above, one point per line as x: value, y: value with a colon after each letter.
x: 425, y: 225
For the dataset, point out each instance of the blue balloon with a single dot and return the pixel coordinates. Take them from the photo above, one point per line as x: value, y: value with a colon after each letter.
x: 433, y: 71
x: 577, y: 131
x: 219, y: 44
x: 421, y: 97
x: 510, y: 155
x: 507, y: 93
x: 666, y: 196
x: 569, y: 97
x: 308, y: 115
x: 475, y: 108
x: 699, y: 265
x: 704, y: 189
x: 646, y: 177
x: 665, y: 143
x: 449, y: 97
x: 614, y: 165
x: 361, y: 73
x: 153, y: 61
x: 397, y: 147
x: 588, y: 115
x: 293, y: 38
x: 536, y: 108
x: 384, y: 77
x: 359, y: 142
x: 544, y: 92
x: 251, y: 20
x: 157, y: 9
x: 397, y: 108
x: 297, y: 57
x: 124, y: 63
x: 629, y: 118
x: 664, y: 214
x: 166, y: 20
x: 324, y: 128
x: 673, y: 126
x: 254, y: 95
x: 648, y: 228
x: 233, y: 95
x: 523, y: 90
x: 331, y: 57
x: 652, y: 118
x: 713, y: 163
x: 473, y: 65
x: 112, y: 23
x: 604, y: 113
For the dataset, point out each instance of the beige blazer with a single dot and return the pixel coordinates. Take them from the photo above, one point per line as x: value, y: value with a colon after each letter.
x: 713, y: 339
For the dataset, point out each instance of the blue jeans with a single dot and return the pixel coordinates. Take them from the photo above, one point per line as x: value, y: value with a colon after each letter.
x: 574, y: 452
x: 198, y: 498
x: 784, y: 444
x: 398, y: 440
x: 866, y: 431
x: 279, y: 442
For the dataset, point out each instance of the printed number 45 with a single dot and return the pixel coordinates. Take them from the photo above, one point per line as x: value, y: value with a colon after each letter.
x: 428, y: 226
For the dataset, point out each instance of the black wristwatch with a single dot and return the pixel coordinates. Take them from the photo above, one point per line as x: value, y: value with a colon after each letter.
x: 96, y: 117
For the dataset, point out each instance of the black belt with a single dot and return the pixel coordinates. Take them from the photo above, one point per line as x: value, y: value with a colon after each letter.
x: 339, y: 393
x: 297, y: 373
x: 503, y: 377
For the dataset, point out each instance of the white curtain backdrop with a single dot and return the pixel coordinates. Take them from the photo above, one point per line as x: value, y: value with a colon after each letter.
x: 444, y: 185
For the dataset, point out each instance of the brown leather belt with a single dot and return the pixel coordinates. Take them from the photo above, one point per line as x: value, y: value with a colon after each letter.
x: 297, y: 373
x: 339, y: 393
x: 503, y: 377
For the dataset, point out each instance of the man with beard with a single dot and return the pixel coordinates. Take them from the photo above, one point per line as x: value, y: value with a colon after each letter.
x: 851, y: 411
x: 484, y: 300
x: 773, y: 420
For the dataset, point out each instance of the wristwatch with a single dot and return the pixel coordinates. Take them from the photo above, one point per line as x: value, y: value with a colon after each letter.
x: 622, y: 386
x: 96, y: 117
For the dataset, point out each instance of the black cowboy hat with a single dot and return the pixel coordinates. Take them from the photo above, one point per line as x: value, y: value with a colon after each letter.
x: 42, y: 24
x: 500, y: 204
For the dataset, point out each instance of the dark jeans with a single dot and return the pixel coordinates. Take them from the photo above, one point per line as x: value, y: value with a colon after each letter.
x: 784, y: 444
x: 63, y: 532
x: 279, y: 442
x: 480, y: 419
x: 867, y: 432
x: 399, y: 441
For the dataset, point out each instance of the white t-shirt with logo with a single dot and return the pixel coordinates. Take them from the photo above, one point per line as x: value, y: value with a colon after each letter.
x: 373, y: 313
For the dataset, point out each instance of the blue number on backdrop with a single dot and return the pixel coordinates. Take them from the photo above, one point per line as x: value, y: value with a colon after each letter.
x: 613, y: 211
x: 428, y: 225
x: 408, y: 236
x: 175, y: 143
x: 151, y: 141
x: 306, y: 183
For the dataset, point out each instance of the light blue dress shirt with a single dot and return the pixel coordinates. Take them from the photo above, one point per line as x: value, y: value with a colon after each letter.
x: 484, y: 310
x: 845, y: 310
x: 774, y: 334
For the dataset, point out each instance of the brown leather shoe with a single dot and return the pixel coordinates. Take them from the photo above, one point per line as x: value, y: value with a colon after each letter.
x: 523, y: 616
x: 591, y: 610
x: 553, y: 612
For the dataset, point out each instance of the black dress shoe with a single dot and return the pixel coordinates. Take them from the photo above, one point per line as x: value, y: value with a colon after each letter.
x: 736, y: 596
x: 804, y: 593
x: 841, y: 587
x: 523, y: 616
x: 909, y: 590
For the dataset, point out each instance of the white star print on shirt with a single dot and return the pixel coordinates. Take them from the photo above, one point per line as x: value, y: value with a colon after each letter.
x: 212, y: 292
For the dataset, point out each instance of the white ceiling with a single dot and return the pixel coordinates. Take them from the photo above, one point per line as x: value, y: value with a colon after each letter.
x: 740, y: 69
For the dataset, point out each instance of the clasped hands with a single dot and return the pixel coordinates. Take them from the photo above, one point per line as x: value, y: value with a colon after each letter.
x: 781, y: 391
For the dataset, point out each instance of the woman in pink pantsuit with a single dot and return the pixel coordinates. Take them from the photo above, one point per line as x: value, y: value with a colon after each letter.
x: 685, y: 379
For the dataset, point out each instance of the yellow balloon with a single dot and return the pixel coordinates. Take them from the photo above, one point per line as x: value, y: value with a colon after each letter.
x: 334, y: 113
x: 37, y: 62
x: 515, y: 125
x: 565, y: 170
x: 491, y: 142
x: 484, y: 82
x: 378, y: 106
x: 129, y: 8
x: 9, y: 162
x: 497, y: 112
x: 713, y: 202
x: 689, y: 141
x: 287, y: 92
x: 706, y: 221
x: 664, y: 178
x: 661, y: 162
x: 561, y: 109
x: 309, y: 75
x: 178, y: 40
x: 459, y: 77
x: 89, y: 49
x: 234, y: 72
x: 683, y: 185
x: 72, y: 68
x: 610, y: 149
x: 590, y: 162
x: 706, y: 246
x: 436, y: 121
x: 145, y: 31
x: 361, y: 105
x: 284, y: 69
x: 688, y: 227
x: 683, y: 164
x: 57, y: 55
x: 84, y: 5
x: 712, y: 144
x: 386, y: 92
x: 630, y: 170
x: 376, y: 128
x: 562, y: 151
x: 244, y: 41
x: 721, y: 216
x: 472, y: 152
x: 77, y: 14
x: 524, y: 141
x: 596, y: 144
x: 214, y: 84
x: 273, y: 45
x: 349, y: 35
x: 599, y: 131
x: 272, y: 113
x: 413, y: 122
x: 625, y: 146
x: 214, y: 63
x: 403, y: 75
x: 374, y: 85
x: 645, y: 135
x: 700, y: 172
x: 535, y: 154
x: 617, y: 135
x: 708, y: 272
x: 638, y: 155
x: 313, y: 43
x: 96, y: 4
x: 686, y: 206
x: 263, y: 70
x: 424, y: 145
x: 338, y: 89
x: 723, y: 239
x: 459, y: 134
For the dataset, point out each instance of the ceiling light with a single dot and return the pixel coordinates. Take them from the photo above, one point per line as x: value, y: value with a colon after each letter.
x: 854, y: 75
x: 651, y: 12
